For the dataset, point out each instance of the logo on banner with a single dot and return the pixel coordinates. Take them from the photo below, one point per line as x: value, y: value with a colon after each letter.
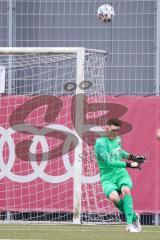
x: 68, y: 138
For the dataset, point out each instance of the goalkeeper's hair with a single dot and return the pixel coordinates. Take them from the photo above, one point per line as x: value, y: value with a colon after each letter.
x: 114, y: 121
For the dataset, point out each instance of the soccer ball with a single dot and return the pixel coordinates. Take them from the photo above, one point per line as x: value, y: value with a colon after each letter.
x: 105, y: 13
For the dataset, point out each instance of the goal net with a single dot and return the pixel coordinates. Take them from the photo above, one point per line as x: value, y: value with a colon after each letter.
x: 53, y: 107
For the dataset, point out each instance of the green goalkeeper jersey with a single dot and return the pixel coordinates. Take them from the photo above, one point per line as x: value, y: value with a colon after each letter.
x: 109, y: 155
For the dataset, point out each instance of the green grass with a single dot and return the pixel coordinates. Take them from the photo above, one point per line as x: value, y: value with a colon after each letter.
x: 75, y: 232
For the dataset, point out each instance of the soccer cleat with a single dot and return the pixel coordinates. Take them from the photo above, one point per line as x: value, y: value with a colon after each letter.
x: 131, y: 228
x: 137, y: 223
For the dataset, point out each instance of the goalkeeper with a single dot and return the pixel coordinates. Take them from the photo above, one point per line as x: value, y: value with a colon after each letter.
x: 115, y: 179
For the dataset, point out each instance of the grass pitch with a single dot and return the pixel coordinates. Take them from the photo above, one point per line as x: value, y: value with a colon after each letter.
x: 74, y: 232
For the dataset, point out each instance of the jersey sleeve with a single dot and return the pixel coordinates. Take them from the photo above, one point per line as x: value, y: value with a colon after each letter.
x: 103, y: 154
x: 124, y: 154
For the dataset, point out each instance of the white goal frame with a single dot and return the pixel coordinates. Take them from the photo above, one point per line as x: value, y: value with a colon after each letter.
x: 80, y: 63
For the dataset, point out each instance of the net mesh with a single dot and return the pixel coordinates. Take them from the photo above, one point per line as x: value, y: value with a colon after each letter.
x: 38, y: 137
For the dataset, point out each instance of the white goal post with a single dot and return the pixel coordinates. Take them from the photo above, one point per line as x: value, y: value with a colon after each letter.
x: 50, y: 112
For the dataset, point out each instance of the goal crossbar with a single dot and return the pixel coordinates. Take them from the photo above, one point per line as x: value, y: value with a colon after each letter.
x: 46, y: 50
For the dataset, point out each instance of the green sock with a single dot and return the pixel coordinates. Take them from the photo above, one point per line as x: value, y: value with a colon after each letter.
x: 134, y: 217
x: 128, y: 208
x: 119, y: 205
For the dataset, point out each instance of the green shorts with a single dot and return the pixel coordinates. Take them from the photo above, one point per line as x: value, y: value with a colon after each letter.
x: 115, y: 183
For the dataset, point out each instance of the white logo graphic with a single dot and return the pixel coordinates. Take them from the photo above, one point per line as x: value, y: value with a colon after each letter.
x: 6, y: 165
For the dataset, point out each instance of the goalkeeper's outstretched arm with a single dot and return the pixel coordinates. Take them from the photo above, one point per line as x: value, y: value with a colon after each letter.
x: 105, y: 156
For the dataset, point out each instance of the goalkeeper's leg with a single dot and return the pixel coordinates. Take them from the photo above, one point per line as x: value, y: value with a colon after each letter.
x: 125, y: 184
x: 118, y: 202
x: 120, y: 206
x: 111, y: 191
x: 114, y: 196
x: 131, y: 216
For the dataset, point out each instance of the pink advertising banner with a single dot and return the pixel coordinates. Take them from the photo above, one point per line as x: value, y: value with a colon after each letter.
x: 33, y: 129
x: 143, y: 113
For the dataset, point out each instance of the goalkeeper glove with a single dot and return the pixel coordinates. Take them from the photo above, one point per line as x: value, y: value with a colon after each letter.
x: 133, y: 165
x: 137, y: 158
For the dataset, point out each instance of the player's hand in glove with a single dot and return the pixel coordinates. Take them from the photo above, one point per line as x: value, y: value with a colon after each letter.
x: 134, y: 165
x: 137, y: 158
